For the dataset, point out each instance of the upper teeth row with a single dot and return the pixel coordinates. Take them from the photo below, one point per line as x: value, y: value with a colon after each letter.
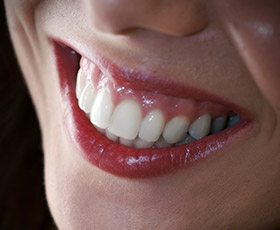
x: 124, y: 122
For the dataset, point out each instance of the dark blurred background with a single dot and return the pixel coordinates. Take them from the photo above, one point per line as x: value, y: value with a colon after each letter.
x: 22, y: 197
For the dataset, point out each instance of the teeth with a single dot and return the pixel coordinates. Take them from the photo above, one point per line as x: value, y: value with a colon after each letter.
x: 152, y: 126
x: 218, y: 124
x: 176, y: 129
x: 233, y: 120
x: 81, y: 82
x: 141, y: 144
x: 126, y: 120
x: 128, y: 143
x: 187, y: 140
x: 86, y: 98
x: 124, y: 124
x: 161, y: 143
x: 200, y: 127
x: 102, y: 108
x: 111, y: 136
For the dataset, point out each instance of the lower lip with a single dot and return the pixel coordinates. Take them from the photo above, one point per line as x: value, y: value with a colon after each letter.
x: 121, y: 160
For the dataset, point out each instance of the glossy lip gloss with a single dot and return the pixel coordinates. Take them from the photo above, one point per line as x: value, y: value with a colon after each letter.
x: 124, y: 161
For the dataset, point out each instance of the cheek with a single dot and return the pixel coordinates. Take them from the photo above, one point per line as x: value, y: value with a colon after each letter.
x: 261, y: 60
x: 254, y: 29
x: 20, y: 16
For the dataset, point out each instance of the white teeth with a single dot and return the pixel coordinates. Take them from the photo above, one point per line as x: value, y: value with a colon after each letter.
x: 176, y: 129
x: 102, y: 108
x: 141, y: 144
x: 111, y: 136
x: 218, y: 124
x: 161, y: 143
x: 200, y: 127
x: 80, y: 83
x: 86, y: 98
x: 124, y: 124
x: 128, y: 143
x: 152, y: 126
x: 126, y: 120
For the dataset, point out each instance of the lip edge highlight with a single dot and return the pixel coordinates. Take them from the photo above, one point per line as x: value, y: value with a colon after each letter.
x: 132, y: 163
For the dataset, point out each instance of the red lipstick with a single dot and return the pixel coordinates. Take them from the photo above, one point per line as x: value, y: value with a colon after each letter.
x: 124, y: 161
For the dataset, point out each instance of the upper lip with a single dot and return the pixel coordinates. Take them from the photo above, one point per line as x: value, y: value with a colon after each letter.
x: 123, y: 161
x: 132, y: 78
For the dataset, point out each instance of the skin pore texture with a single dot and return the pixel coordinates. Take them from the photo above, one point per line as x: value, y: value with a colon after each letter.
x: 227, y: 48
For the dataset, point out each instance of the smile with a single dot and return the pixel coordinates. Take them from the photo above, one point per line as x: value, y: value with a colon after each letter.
x: 136, y: 125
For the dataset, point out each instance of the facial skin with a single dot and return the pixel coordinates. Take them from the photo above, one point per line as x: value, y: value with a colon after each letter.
x: 228, y: 48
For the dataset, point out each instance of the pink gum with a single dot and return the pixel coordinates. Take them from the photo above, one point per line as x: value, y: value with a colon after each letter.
x: 169, y: 105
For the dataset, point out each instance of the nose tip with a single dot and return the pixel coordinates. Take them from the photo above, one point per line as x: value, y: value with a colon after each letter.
x: 171, y: 17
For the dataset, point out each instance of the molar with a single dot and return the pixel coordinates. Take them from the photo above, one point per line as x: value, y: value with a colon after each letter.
x: 218, y: 124
x: 233, y: 120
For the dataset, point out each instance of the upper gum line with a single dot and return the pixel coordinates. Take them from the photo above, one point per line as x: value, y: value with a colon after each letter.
x: 150, y: 100
x: 188, y: 110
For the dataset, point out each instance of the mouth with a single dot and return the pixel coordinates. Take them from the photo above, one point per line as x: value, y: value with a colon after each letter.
x: 133, y: 124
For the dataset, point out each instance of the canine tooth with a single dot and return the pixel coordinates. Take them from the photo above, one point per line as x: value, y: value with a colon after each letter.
x: 142, y: 144
x: 102, y: 108
x: 80, y: 83
x: 200, y: 127
x: 152, y: 126
x: 233, y: 120
x: 218, y: 124
x: 86, y: 98
x: 126, y: 120
x: 175, y: 129
x: 111, y: 136
x: 161, y: 143
x: 128, y: 143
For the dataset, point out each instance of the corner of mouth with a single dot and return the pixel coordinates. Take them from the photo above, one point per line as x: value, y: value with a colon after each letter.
x: 112, y: 145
